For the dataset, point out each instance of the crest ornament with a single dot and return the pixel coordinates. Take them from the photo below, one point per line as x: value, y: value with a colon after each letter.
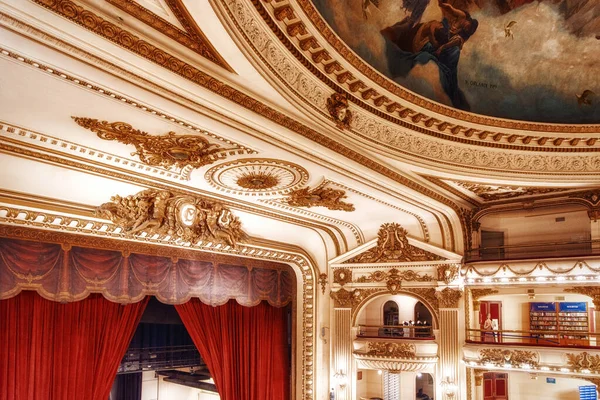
x: 342, y: 276
x: 449, y: 298
x: 337, y: 105
x: 168, y: 150
x: 392, y: 245
x: 447, y: 273
x: 163, y: 213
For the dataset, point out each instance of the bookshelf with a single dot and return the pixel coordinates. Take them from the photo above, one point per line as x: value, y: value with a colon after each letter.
x: 563, y: 316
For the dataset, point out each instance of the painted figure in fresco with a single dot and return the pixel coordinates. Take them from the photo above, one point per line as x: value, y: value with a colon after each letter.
x: 411, y: 42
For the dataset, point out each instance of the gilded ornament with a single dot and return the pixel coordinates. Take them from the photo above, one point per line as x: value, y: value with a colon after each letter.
x: 346, y: 299
x: 592, y: 197
x: 319, y: 196
x: 409, y: 275
x: 257, y: 181
x: 163, y: 213
x: 392, y: 245
x: 342, y: 276
x: 323, y: 282
x: 391, y: 350
x: 501, y: 357
x: 583, y: 361
x: 393, y: 283
x: 337, y: 105
x: 447, y: 273
x: 449, y: 298
x: 591, y: 291
x: 498, y: 192
x: 476, y: 294
x: 166, y: 150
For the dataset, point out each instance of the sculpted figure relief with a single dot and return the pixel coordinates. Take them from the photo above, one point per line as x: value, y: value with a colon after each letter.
x: 162, y: 213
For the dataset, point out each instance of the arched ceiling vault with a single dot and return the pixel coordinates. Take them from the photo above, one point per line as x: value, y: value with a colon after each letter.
x: 256, y: 81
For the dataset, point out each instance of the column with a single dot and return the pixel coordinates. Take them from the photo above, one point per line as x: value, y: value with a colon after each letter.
x: 342, y: 354
x: 449, y: 345
x: 478, y: 384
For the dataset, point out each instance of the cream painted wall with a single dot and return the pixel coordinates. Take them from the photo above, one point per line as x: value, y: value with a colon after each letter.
x: 371, y: 385
x: 158, y: 389
x: 522, y: 387
x: 372, y: 313
x: 539, y: 225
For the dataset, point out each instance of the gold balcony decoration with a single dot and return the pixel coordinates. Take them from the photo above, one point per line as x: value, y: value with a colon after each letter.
x: 337, y: 106
x: 590, y: 291
x: 448, y: 298
x: 351, y: 299
x: 502, y: 357
x: 447, y: 273
x: 392, y: 245
x: 584, y: 361
x: 168, y: 150
x: 392, y: 350
x: 342, y: 276
x: 408, y: 275
x: 320, y: 196
x: 180, y: 217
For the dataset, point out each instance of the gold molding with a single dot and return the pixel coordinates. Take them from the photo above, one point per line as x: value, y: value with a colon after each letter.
x: 476, y: 294
x: 590, y: 291
x: 192, y: 37
x: 408, y: 275
x: 166, y: 150
x: 390, y: 350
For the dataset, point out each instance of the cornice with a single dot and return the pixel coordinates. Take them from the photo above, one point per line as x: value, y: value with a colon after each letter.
x: 297, y: 15
x: 192, y: 37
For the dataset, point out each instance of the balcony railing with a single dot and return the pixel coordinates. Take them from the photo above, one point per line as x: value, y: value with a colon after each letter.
x: 158, y: 358
x: 395, y: 331
x: 535, y: 250
x: 535, y: 338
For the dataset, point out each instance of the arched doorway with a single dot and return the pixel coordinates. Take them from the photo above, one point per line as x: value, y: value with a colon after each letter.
x: 390, y: 313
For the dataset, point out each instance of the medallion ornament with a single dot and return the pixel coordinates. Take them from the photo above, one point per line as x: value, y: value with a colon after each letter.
x: 447, y: 273
x: 320, y: 196
x: 449, y: 298
x: 168, y: 150
x: 337, y: 105
x: 392, y: 245
x: 501, y: 357
x: 583, y: 361
x: 257, y: 176
x: 342, y: 276
x: 163, y: 213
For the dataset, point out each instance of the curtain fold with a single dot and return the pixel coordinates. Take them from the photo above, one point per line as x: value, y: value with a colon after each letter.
x: 54, y: 351
x: 245, y: 348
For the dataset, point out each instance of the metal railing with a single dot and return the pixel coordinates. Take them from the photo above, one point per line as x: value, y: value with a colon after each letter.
x: 535, y: 250
x: 395, y: 331
x: 157, y: 358
x: 554, y: 338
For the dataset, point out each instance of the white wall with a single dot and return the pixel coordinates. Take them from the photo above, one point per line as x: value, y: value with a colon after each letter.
x: 158, y: 389
x: 522, y: 387
x: 371, y: 384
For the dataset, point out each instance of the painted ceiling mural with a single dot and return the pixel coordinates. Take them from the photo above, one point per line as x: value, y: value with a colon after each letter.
x: 532, y: 60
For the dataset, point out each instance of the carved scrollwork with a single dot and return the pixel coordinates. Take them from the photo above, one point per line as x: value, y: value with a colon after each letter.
x: 166, y: 150
x: 584, y: 361
x: 163, y: 213
x: 323, y: 282
x: 380, y: 276
x: 500, y: 357
x: 319, y: 196
x: 346, y: 299
x: 591, y: 291
x: 342, y: 276
x: 391, y: 350
x: 392, y: 245
x: 447, y: 273
x: 449, y: 298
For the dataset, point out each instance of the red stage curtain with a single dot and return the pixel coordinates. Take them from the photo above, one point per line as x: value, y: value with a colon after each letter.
x: 53, y: 351
x: 245, y: 348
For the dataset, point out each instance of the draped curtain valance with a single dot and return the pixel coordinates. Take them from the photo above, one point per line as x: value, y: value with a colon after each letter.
x: 65, y: 274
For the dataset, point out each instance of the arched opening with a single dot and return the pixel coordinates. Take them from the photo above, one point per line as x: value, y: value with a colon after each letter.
x: 425, y: 386
x: 423, y: 320
x: 390, y: 313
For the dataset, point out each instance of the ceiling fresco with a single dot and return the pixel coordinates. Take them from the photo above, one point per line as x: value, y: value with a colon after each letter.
x: 535, y: 61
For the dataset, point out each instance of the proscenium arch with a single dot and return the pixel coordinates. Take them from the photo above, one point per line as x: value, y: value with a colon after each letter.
x: 384, y: 292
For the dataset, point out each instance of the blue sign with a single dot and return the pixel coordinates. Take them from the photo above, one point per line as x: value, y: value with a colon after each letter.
x: 542, y: 306
x: 572, y: 307
x: 550, y: 380
x: 588, y: 392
